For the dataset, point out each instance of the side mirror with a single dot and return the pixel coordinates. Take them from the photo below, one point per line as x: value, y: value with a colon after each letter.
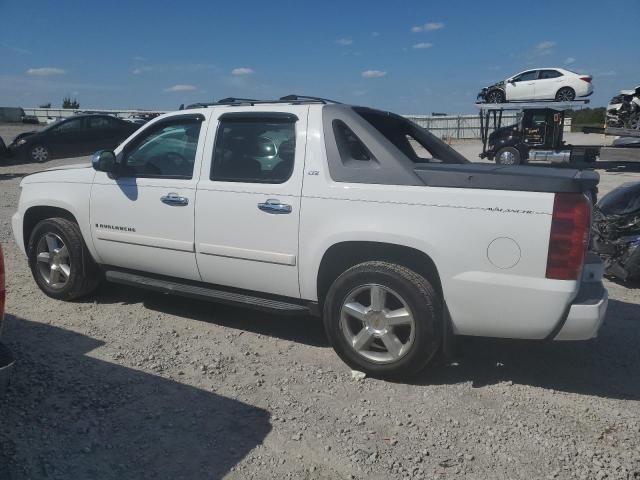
x: 104, y: 161
x: 511, y: 81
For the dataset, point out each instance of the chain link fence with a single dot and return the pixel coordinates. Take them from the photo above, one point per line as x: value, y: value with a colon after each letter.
x: 463, y: 126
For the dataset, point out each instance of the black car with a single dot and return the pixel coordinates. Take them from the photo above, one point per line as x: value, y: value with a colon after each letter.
x: 71, y: 137
x: 16, y: 115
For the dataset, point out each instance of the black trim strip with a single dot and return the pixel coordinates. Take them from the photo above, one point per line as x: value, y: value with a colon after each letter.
x: 279, y: 117
x: 204, y: 291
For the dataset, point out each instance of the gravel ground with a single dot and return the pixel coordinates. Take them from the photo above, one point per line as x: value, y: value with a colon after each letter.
x: 136, y: 385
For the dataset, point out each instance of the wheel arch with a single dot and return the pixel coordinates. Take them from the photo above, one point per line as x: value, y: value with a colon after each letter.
x: 343, y: 255
x: 566, y: 87
x: 37, y: 213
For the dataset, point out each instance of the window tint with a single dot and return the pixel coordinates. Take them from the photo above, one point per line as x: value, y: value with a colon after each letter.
x: 165, y: 150
x: 70, y: 125
x: 103, y: 122
x: 526, y: 76
x: 254, y: 150
x: 544, y: 74
x: 538, y: 119
x: 349, y: 145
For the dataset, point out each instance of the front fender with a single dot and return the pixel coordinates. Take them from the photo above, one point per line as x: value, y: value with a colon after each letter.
x: 73, y: 198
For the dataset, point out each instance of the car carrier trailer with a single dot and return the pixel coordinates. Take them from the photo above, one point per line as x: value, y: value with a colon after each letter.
x: 625, y: 149
x: 537, y: 136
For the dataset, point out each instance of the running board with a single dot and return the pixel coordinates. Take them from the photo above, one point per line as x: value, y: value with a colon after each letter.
x: 175, y: 287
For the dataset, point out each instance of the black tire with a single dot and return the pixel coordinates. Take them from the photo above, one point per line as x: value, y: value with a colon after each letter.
x: 39, y: 154
x: 565, y: 94
x: 508, y: 156
x: 420, y: 299
x: 496, y: 96
x: 83, y: 273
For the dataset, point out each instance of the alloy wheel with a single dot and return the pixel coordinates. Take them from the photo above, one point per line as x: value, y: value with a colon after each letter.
x: 377, y: 323
x: 54, y: 264
x: 495, y: 97
x: 565, y: 95
x: 507, y: 158
x: 39, y: 154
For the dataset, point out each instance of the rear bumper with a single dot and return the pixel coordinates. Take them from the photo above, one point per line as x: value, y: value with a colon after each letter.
x: 588, y: 310
x: 585, y: 315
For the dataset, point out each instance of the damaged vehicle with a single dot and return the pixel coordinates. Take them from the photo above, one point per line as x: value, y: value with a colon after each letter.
x: 623, y: 110
x: 615, y: 232
x: 6, y: 358
x: 548, y: 84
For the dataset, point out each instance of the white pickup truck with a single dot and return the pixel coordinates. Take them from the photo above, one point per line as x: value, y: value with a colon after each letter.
x: 305, y: 205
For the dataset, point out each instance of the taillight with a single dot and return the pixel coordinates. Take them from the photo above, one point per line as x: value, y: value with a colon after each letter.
x: 586, y: 78
x: 569, y: 236
x: 2, y: 290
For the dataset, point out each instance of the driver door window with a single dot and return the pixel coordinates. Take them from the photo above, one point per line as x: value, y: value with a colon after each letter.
x: 526, y: 76
x: 69, y: 138
x: 168, y: 150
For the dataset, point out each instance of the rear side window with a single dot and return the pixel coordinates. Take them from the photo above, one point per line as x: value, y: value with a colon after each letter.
x: 252, y: 149
x: 545, y: 74
x: 350, y: 146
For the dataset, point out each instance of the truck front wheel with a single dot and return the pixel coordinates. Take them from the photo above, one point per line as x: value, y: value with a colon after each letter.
x: 508, y: 156
x: 59, y: 260
x: 383, y: 319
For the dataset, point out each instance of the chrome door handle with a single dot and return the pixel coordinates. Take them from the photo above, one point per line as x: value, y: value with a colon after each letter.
x: 274, y: 206
x: 174, y: 199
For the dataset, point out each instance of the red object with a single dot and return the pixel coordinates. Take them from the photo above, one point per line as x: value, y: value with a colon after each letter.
x: 587, y: 78
x: 569, y: 236
x: 2, y: 290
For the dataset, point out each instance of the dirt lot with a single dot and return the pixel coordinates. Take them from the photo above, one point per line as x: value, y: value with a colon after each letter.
x: 136, y: 385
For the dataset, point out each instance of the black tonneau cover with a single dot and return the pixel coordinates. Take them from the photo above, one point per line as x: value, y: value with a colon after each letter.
x: 504, y: 177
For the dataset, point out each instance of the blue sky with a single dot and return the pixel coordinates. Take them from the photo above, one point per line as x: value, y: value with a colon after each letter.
x: 410, y: 56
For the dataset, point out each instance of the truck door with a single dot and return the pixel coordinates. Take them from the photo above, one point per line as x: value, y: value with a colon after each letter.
x: 534, y: 124
x: 142, y: 218
x: 248, y: 200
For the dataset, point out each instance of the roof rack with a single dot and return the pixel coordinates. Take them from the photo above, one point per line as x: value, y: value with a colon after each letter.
x: 306, y: 98
x: 232, y: 100
x: 197, y: 105
x: 235, y: 101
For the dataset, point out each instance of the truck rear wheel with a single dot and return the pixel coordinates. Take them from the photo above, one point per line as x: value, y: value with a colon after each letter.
x: 383, y: 319
x: 59, y: 260
x: 508, y: 156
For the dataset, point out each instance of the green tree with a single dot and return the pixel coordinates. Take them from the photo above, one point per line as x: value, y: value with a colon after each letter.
x: 45, y: 105
x: 68, y: 103
x: 588, y: 116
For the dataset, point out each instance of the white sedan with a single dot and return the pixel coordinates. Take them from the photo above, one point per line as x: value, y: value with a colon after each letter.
x: 539, y: 84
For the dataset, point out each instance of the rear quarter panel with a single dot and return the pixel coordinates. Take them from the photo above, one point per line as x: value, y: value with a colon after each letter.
x: 455, y: 227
